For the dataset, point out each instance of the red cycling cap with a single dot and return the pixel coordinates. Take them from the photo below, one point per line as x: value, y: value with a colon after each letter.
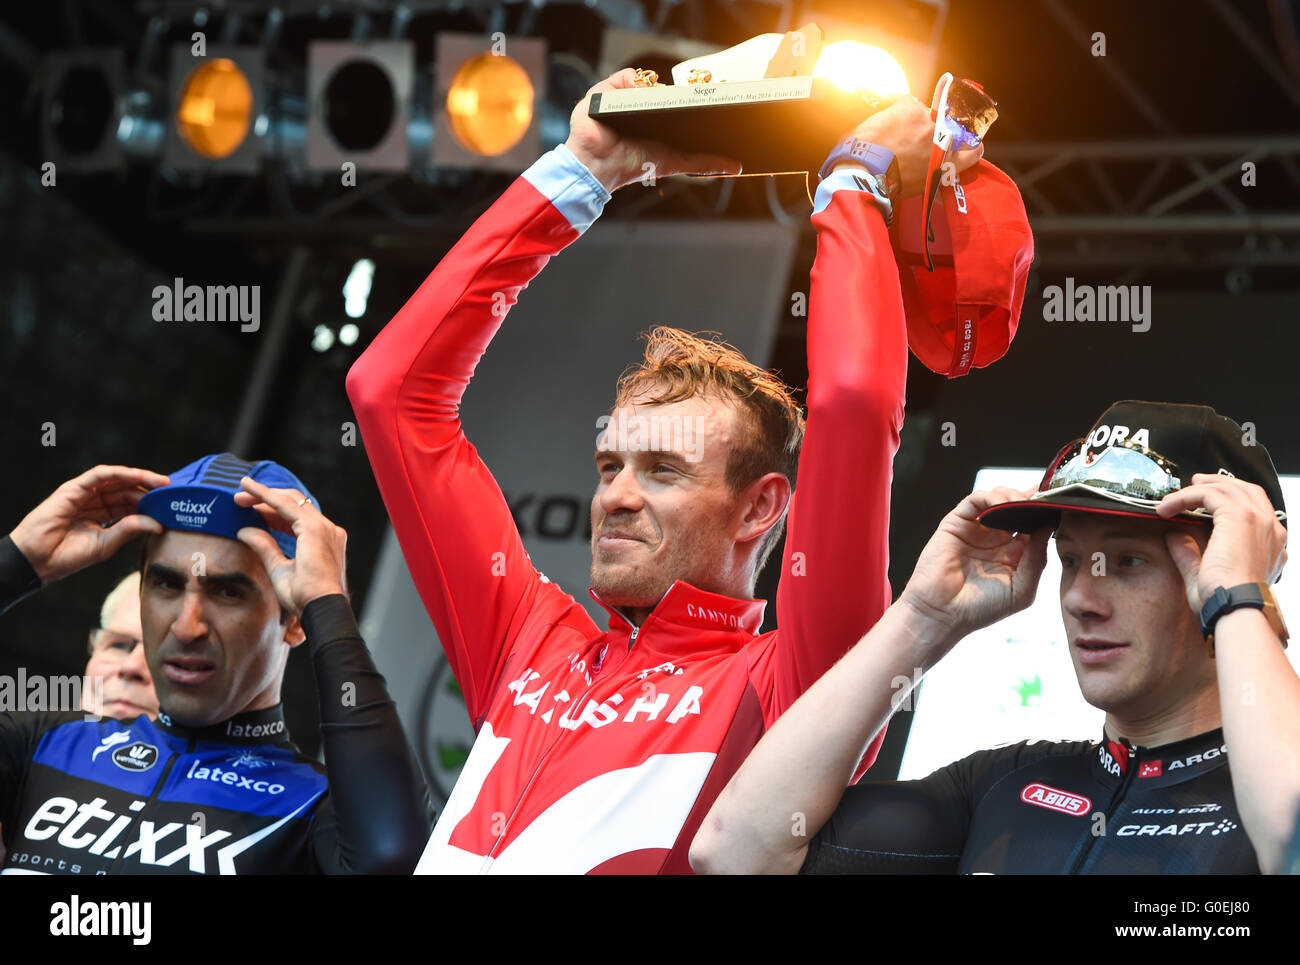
x: 964, y: 314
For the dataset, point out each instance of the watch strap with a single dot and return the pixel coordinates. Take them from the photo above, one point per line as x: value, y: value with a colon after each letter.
x: 1224, y: 600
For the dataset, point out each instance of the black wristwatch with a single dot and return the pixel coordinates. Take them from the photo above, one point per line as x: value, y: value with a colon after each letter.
x: 1255, y: 595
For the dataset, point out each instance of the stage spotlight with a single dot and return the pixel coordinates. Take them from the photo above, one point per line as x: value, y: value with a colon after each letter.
x: 359, y: 103
x: 80, y: 109
x: 218, y: 110
x: 861, y: 68
x: 489, y: 93
x: 215, y: 109
x: 490, y: 104
x: 356, y: 290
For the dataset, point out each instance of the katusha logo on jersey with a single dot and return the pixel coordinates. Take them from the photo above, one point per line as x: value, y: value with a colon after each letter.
x: 1054, y: 799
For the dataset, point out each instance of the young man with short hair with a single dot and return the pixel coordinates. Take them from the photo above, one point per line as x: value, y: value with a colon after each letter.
x: 1170, y: 528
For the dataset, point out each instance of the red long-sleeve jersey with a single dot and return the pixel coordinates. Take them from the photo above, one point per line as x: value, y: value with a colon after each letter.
x: 602, y: 750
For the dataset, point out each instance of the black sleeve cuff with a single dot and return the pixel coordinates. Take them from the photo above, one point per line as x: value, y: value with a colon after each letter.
x: 327, y: 618
x: 17, y: 578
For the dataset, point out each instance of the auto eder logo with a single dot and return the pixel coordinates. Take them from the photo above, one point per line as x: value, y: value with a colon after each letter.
x: 135, y: 757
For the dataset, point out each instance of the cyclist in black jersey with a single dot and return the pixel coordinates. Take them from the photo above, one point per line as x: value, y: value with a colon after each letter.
x: 1170, y: 526
x: 239, y: 566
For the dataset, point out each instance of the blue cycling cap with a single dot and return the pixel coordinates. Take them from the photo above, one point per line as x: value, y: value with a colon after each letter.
x: 201, y: 498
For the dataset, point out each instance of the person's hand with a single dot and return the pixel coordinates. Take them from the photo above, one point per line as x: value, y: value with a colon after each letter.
x: 1247, y: 543
x: 86, y: 520
x: 970, y: 575
x: 319, y: 563
x: 617, y: 161
x: 907, y: 129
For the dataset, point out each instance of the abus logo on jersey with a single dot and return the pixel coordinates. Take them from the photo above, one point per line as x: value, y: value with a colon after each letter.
x: 135, y: 757
x: 1055, y: 799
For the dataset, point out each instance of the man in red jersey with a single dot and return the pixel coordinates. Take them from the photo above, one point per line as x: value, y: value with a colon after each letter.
x: 601, y: 750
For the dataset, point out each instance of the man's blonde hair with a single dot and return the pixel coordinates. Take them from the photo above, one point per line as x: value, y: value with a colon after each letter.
x: 126, y: 588
x: 680, y: 365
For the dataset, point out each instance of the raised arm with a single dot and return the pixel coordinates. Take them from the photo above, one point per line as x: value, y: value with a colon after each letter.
x: 834, y: 579
x: 454, y: 526
x: 968, y: 576
x: 378, y: 814
x: 85, y: 521
x: 1259, y: 692
x: 451, y: 519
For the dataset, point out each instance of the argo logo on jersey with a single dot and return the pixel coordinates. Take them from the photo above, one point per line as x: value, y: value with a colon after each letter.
x: 1055, y: 799
x: 135, y: 757
x: 1149, y: 769
x: 1208, y: 755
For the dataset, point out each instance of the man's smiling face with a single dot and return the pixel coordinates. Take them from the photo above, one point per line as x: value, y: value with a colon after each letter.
x: 663, y: 510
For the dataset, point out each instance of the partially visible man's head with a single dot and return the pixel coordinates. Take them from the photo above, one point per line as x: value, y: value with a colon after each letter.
x: 119, y: 683
x: 696, y: 463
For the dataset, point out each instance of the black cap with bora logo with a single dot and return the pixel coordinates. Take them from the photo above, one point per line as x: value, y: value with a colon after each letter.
x: 1134, y: 455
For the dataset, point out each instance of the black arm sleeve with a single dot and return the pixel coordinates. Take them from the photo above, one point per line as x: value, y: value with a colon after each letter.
x: 378, y: 817
x: 17, y: 578
x: 897, y: 827
x: 19, y: 732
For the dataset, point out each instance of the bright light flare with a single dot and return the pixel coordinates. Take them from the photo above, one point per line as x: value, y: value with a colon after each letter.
x: 861, y: 68
x: 490, y: 104
x: 356, y: 290
x: 215, y: 108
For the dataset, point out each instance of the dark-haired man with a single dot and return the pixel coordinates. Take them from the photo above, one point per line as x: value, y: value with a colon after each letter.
x: 1170, y: 526
x: 239, y: 566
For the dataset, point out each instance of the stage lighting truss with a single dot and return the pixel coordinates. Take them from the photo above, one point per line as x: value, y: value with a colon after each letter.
x: 81, y: 108
x: 489, y: 93
x: 360, y: 100
x: 217, y: 110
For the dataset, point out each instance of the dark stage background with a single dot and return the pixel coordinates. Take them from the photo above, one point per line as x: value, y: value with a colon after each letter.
x: 80, y: 259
